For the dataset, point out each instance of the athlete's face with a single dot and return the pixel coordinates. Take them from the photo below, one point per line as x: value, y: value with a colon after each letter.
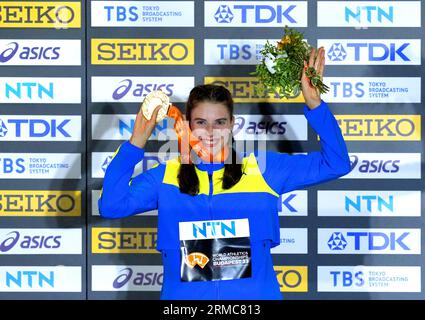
x: 212, y: 124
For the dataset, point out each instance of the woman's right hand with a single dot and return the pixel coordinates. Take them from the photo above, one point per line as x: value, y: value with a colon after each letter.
x: 143, y: 128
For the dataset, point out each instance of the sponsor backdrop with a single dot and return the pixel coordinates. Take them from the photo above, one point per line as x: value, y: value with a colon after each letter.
x: 73, y: 75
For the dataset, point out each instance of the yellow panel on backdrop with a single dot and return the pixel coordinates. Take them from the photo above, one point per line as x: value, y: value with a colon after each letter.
x: 30, y: 14
x: 143, y: 51
x: 40, y: 203
x: 243, y: 90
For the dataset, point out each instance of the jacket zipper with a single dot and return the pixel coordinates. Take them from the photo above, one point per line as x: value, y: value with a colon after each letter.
x: 210, y: 179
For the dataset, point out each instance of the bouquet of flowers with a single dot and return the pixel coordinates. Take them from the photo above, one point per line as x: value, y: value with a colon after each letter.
x: 281, y: 67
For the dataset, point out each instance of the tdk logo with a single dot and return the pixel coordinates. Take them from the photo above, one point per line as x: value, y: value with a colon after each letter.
x: 35, y: 128
x: 3, y: 129
x: 223, y: 14
x: 337, y: 52
x: 360, y: 51
x: 376, y: 241
x: 214, y: 229
x: 252, y: 13
x: 337, y: 241
x: 369, y: 14
x: 106, y: 163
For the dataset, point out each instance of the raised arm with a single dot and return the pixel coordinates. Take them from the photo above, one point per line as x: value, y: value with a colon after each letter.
x: 284, y: 172
x: 122, y: 196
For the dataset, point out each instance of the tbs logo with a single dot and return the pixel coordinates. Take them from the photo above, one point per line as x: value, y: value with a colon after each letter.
x: 347, y: 278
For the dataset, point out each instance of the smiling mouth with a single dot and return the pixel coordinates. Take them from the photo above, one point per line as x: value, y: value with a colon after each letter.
x: 210, y: 143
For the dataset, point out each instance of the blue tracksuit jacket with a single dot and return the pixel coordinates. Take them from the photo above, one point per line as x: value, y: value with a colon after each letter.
x: 254, y: 197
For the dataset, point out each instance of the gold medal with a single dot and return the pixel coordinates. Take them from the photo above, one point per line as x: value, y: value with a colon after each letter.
x: 151, y: 101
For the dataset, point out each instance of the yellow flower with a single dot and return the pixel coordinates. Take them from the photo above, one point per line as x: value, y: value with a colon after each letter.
x: 285, y: 40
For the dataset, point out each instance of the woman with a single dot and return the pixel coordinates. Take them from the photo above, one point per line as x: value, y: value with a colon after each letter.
x: 218, y: 221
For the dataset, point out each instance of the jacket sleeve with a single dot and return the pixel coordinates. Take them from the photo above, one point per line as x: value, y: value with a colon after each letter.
x: 284, y: 172
x: 122, y: 196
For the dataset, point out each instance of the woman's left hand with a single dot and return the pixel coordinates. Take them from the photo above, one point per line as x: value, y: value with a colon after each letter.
x: 311, y: 94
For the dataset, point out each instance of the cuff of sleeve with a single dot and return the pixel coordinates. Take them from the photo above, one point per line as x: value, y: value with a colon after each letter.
x: 132, y: 153
x: 318, y: 116
x: 308, y: 111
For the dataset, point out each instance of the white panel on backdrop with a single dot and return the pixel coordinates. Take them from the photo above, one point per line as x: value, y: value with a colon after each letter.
x: 371, y: 51
x: 234, y: 51
x: 371, y: 203
x: 40, y: 90
x: 255, y: 13
x: 126, y: 278
x: 247, y: 127
x: 101, y: 160
x: 120, y: 127
x: 142, y: 13
x: 369, y: 14
x: 40, y: 52
x: 40, y: 165
x: 292, y: 241
x: 40, y: 128
x: 368, y: 241
x: 373, y: 90
x: 135, y: 89
x: 368, y: 279
x: 294, y: 203
x: 40, y: 241
x: 270, y: 127
x: 40, y: 279
x: 95, y: 195
x: 384, y: 166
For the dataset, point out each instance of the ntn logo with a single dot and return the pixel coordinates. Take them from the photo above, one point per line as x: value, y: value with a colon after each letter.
x: 30, y: 278
x: 371, y: 202
x: 214, y: 228
x: 359, y: 13
x: 125, y: 127
x: 29, y: 90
